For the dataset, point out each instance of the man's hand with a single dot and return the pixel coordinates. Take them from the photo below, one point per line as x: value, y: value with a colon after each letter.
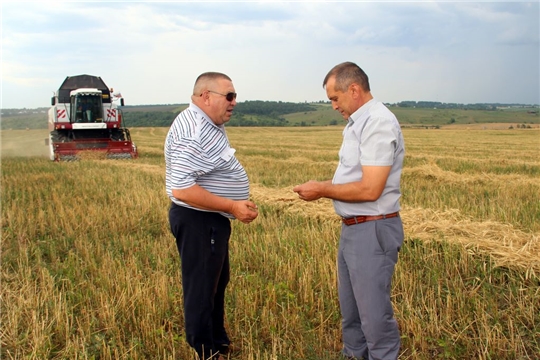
x: 312, y: 190
x: 198, y: 197
x: 244, y: 210
x: 369, y: 188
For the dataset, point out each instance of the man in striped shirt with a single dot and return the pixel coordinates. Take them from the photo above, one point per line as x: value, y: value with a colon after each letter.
x: 207, y: 186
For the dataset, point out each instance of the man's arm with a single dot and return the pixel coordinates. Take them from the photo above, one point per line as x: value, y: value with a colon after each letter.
x: 200, y: 198
x: 369, y: 188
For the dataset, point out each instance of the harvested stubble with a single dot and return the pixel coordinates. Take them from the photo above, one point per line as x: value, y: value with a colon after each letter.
x: 508, y: 246
x: 73, y: 289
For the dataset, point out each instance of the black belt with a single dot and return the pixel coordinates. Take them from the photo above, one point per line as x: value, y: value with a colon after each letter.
x: 365, y: 218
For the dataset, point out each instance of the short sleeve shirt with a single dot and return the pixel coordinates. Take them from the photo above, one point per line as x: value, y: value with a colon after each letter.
x: 372, y: 137
x: 197, y: 151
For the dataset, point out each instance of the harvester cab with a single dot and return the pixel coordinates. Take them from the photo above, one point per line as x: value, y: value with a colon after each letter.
x: 88, y: 105
x: 85, y: 118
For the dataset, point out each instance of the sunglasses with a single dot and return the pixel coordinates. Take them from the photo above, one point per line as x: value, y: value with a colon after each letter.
x: 229, y: 96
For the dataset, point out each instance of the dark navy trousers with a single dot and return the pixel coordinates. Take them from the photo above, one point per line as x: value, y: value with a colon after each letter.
x: 202, y: 239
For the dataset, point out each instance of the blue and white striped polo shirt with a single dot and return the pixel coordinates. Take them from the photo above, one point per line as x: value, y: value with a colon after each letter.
x: 197, y: 151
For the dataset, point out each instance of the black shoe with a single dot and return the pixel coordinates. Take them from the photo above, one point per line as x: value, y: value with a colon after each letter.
x: 212, y: 357
x: 228, y: 349
x: 223, y: 349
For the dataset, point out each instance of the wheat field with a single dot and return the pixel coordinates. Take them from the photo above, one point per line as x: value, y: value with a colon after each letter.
x: 89, y: 269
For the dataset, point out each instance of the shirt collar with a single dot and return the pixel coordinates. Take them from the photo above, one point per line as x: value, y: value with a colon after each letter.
x: 201, y: 114
x: 361, y: 110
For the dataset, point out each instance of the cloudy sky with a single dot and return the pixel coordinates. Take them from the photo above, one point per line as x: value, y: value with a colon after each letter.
x: 464, y: 52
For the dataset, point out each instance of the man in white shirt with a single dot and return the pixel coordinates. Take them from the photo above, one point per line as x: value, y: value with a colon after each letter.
x: 365, y: 191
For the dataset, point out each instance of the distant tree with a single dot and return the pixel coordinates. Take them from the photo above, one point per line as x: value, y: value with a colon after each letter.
x: 272, y: 108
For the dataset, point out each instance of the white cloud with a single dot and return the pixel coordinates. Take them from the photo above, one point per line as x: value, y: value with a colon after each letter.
x: 152, y: 52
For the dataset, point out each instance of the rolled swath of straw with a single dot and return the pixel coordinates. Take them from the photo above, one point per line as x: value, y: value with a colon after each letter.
x: 508, y: 246
x: 433, y: 172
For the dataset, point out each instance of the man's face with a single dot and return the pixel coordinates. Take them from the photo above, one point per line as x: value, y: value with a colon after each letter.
x: 220, y: 108
x: 341, y: 101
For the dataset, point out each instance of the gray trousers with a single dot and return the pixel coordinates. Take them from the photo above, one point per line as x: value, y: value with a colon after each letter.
x: 367, y: 255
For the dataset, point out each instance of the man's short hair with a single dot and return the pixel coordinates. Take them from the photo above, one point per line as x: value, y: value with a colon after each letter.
x: 205, y: 78
x: 347, y: 73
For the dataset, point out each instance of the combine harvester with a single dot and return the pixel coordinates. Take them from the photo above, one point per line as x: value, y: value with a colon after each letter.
x: 85, y: 119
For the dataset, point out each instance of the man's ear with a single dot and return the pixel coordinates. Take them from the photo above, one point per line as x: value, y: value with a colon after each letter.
x: 355, y: 90
x: 205, y: 96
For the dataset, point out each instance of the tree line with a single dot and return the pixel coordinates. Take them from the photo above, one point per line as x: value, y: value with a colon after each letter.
x: 441, y: 105
x: 248, y: 113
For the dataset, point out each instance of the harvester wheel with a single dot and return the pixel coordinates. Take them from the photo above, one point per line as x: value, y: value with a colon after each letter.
x: 118, y: 135
x: 51, y: 148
